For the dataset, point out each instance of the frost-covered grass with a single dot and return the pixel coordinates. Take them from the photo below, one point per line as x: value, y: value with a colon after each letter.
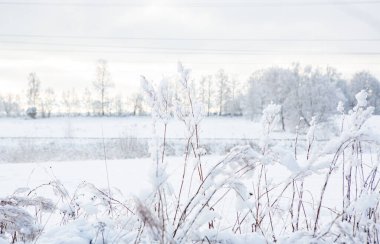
x: 132, y: 177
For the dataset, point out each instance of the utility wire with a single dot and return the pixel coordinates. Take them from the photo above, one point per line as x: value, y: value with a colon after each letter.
x: 239, y: 4
x: 230, y: 63
x: 125, y: 47
x: 221, y: 39
x: 202, y: 52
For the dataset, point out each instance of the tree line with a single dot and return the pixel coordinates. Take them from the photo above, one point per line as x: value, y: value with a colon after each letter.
x: 305, y: 93
x: 302, y: 91
x: 95, y: 100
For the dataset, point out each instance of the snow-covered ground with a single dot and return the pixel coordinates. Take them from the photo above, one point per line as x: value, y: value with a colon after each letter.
x: 132, y: 176
x: 81, y: 138
x: 124, y: 174
x: 140, y: 127
x: 135, y: 178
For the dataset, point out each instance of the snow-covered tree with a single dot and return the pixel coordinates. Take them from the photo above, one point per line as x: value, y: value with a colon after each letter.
x: 365, y: 81
x: 317, y: 93
x: 274, y: 84
x: 303, y: 92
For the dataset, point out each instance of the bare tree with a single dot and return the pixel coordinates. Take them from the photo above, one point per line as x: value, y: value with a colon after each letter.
x: 74, y: 101
x: 47, y: 102
x: 222, y: 90
x: 206, y: 92
x: 11, y: 105
x: 102, y: 83
x: 119, y: 105
x: 87, y: 101
x: 70, y: 102
x: 234, y: 107
x: 137, y: 103
x: 66, y: 102
x: 33, y: 91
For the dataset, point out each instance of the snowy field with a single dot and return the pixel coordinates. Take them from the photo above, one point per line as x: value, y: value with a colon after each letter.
x: 140, y: 127
x: 249, y: 187
x: 84, y: 138
x: 115, y: 127
x: 81, y: 138
x: 123, y: 175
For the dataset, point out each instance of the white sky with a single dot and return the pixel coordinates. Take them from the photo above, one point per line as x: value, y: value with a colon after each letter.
x: 61, y: 40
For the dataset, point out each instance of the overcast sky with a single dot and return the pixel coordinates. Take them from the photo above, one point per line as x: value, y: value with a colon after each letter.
x: 61, y: 40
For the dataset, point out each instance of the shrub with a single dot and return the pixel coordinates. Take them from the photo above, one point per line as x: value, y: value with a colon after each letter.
x: 31, y: 112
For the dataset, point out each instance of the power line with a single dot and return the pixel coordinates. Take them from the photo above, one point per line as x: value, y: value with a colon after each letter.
x: 202, y: 52
x: 221, y: 39
x: 123, y: 47
x: 239, y: 4
x: 230, y: 63
x: 169, y: 50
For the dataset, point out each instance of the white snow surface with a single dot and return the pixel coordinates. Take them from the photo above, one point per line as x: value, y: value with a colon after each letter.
x: 140, y: 127
x: 133, y: 176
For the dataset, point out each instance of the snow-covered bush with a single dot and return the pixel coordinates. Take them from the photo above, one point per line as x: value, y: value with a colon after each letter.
x: 31, y: 112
